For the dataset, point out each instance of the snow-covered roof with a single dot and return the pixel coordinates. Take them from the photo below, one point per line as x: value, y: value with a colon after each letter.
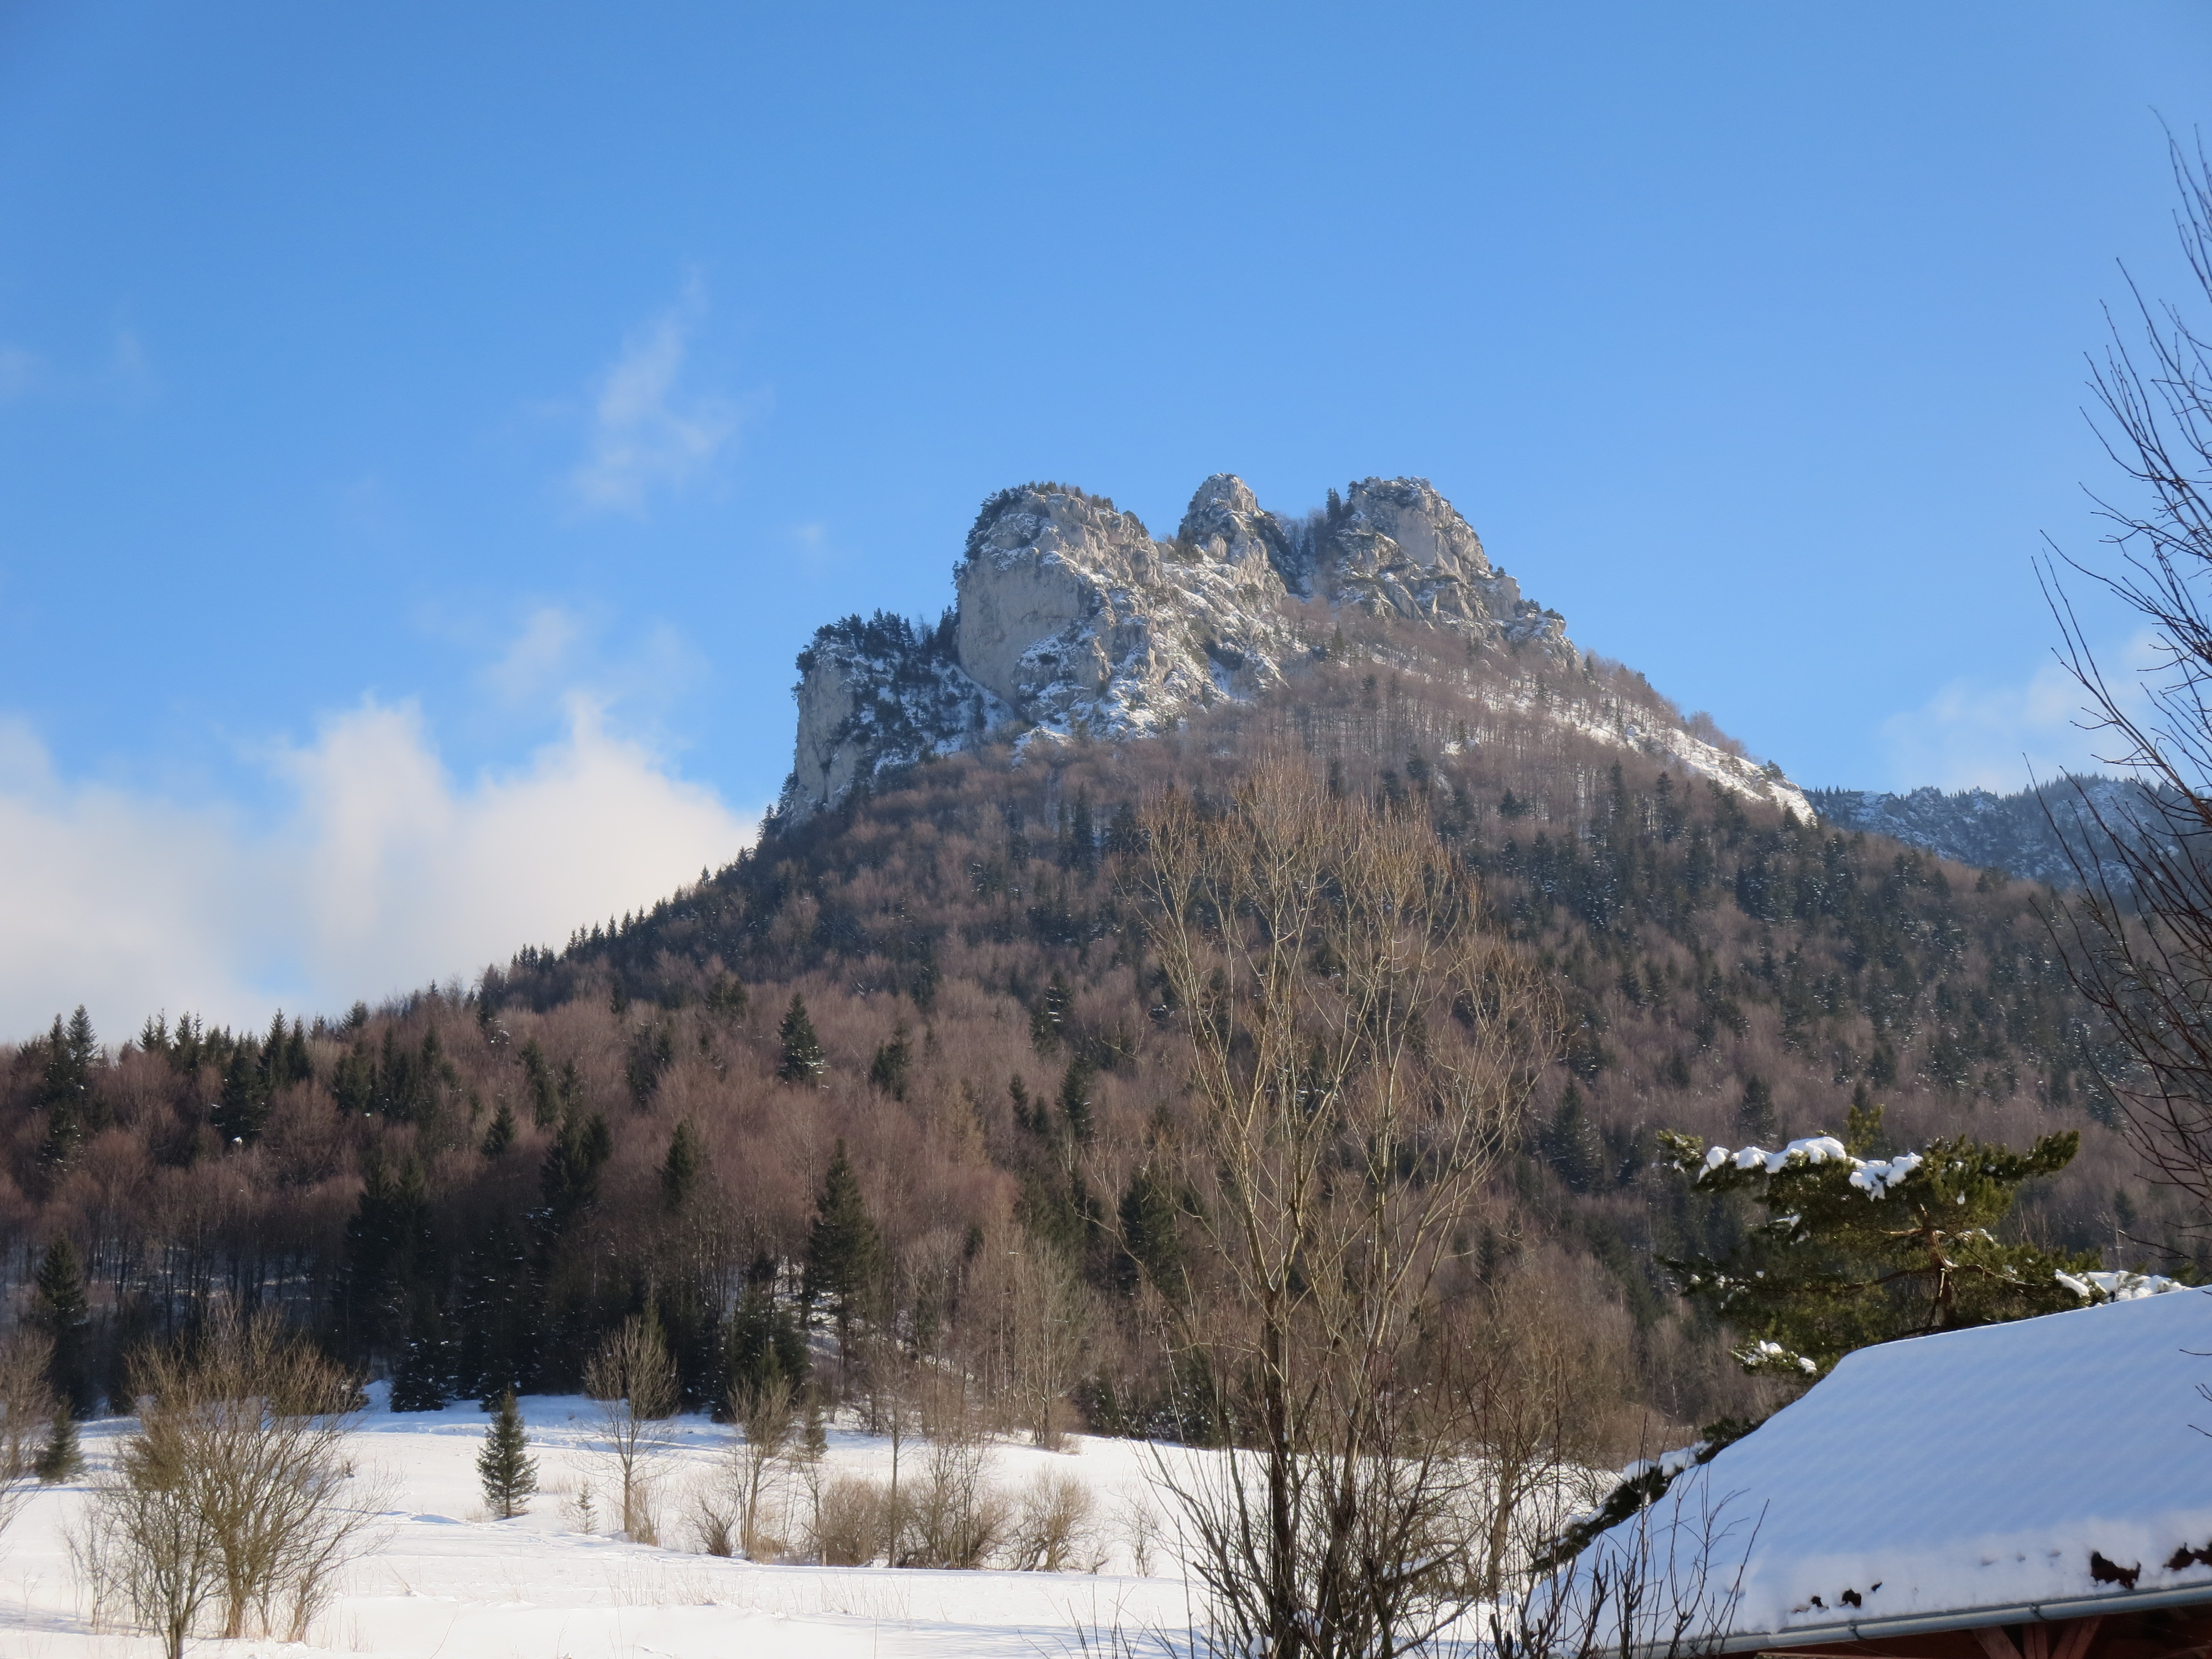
x: 1953, y: 1481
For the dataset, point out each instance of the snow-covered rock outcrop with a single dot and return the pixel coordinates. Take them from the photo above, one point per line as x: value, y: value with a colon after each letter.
x: 1402, y: 547
x: 1073, y: 619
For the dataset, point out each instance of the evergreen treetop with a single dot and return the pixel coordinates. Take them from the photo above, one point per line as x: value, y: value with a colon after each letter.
x: 1856, y: 1251
x: 841, y: 1243
x: 500, y: 1135
x: 680, y: 1172
x: 802, y: 1061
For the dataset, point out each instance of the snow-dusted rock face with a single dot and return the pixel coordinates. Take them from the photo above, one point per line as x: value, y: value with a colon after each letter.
x: 1403, y: 548
x: 1080, y: 621
x: 1073, y: 619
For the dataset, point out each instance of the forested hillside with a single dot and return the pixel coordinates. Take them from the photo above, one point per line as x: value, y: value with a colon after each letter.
x: 906, y: 1061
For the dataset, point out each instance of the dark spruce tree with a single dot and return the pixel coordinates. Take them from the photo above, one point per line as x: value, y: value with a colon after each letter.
x: 764, y: 1343
x: 841, y: 1245
x: 802, y: 1061
x: 505, y: 1466
x: 569, y: 1180
x: 242, y: 1111
x: 681, y: 1169
x: 500, y: 1135
x: 1075, y: 1097
x: 887, y: 1070
x: 60, y: 1311
x: 496, y: 1309
x: 424, y: 1377
x: 65, y: 1087
x: 1151, y: 1240
x: 391, y: 1259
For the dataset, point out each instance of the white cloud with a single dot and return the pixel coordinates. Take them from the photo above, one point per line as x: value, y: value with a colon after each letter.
x: 385, y: 873
x: 1973, y: 734
x: 540, y: 654
x: 648, y: 432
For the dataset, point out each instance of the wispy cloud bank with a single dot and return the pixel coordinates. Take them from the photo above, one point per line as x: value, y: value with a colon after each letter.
x: 650, y: 432
x: 1975, y: 734
x: 387, y: 871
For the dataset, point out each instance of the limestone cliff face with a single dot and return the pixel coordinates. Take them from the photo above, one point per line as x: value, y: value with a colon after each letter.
x: 1073, y: 619
x: 879, y: 692
x: 1402, y: 548
x: 1079, y: 620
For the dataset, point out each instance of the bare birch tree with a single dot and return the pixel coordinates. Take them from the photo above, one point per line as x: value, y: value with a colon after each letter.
x: 1362, y: 1046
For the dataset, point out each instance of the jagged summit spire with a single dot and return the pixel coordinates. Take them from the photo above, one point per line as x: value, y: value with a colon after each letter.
x: 1073, y: 619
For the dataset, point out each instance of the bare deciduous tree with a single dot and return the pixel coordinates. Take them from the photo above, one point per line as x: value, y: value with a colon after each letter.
x: 1051, y: 1313
x: 767, y: 1417
x: 1536, y: 1385
x: 2150, y: 972
x: 1362, y: 1046
x: 633, y: 1381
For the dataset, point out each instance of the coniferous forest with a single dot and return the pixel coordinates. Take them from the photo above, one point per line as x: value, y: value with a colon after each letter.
x: 897, y: 1080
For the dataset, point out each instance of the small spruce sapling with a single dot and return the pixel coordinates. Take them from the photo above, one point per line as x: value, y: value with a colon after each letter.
x: 509, y: 1474
x: 60, y: 1457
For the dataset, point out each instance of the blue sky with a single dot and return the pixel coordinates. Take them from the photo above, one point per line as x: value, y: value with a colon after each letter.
x: 427, y: 433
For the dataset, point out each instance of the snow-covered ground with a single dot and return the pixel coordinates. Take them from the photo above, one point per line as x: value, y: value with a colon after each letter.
x: 444, y: 1580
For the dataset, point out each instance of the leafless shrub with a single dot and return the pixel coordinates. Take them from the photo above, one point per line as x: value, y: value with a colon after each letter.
x: 149, y: 1550
x: 1054, y: 1525
x: 1140, y: 1528
x: 849, y: 1520
x: 715, y: 1522
x: 951, y: 1516
x: 229, y: 1495
x: 1665, y: 1585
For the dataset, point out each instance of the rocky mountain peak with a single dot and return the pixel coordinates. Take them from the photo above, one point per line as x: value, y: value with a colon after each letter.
x: 1073, y: 619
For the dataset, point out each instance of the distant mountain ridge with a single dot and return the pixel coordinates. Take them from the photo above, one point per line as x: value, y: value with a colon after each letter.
x: 1073, y: 621
x: 2037, y: 834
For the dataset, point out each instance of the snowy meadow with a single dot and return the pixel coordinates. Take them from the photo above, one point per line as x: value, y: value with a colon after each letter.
x: 440, y: 1577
